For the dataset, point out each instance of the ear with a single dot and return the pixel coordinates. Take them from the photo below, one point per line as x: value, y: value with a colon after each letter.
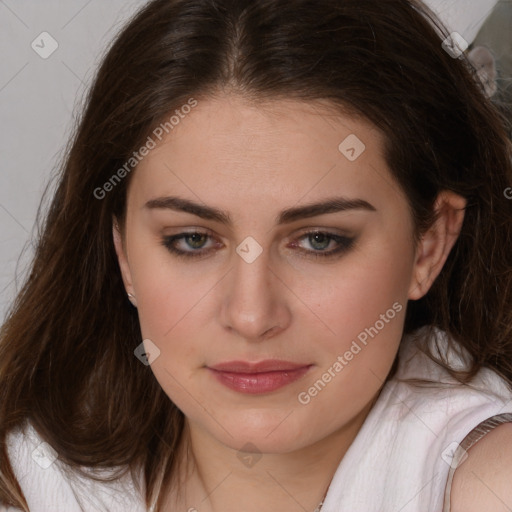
x: 437, y: 242
x: 122, y: 260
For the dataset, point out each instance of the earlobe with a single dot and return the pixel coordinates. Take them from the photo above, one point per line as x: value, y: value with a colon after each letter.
x: 122, y: 260
x: 437, y: 242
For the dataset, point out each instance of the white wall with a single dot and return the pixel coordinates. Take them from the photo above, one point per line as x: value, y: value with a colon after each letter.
x: 37, y: 98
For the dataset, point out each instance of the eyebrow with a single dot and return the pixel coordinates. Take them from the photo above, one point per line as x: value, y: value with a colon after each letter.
x: 330, y: 205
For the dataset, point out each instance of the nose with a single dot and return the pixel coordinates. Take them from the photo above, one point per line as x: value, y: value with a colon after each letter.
x: 254, y: 300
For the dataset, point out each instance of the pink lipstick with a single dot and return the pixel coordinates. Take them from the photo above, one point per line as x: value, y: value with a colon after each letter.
x: 261, y: 377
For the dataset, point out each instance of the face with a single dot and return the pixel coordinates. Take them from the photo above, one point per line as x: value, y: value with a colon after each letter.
x: 253, y: 273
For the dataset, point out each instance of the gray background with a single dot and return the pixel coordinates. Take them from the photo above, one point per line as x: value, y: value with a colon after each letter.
x: 39, y: 98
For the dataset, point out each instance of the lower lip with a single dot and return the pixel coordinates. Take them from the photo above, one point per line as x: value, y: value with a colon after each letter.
x: 254, y: 383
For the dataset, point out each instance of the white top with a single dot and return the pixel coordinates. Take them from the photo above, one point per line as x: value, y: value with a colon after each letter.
x: 403, y: 455
x: 401, y: 459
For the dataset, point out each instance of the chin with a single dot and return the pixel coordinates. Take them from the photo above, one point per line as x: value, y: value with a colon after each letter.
x: 261, y: 432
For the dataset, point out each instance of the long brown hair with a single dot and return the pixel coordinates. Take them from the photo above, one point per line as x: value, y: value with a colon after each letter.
x: 66, y: 349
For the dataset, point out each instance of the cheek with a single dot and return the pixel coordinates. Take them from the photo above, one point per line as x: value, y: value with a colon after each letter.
x: 356, y: 294
x: 365, y: 310
x: 167, y: 289
x: 169, y: 306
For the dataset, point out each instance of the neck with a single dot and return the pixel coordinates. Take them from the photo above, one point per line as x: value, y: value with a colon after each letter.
x: 220, y: 478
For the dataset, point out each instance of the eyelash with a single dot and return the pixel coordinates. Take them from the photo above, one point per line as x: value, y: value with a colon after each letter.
x: 345, y: 243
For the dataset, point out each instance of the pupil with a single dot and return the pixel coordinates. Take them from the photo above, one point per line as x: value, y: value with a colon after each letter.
x: 322, y: 237
x: 195, y: 237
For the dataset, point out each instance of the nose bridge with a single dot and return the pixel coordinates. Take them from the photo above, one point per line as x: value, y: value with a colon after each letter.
x: 253, y: 305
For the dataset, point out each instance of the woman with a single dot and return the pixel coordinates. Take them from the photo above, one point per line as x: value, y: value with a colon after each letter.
x: 275, y: 274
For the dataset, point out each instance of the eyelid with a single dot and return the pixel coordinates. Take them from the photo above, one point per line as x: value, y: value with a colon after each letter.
x: 319, y: 229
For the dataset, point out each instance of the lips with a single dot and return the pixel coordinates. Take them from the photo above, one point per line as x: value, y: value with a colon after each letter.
x: 257, y: 378
x: 270, y: 365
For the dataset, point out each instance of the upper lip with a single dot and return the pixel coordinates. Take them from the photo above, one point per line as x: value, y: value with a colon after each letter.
x: 270, y: 365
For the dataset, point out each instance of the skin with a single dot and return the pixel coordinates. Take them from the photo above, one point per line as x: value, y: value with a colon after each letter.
x: 482, y: 481
x: 253, y: 161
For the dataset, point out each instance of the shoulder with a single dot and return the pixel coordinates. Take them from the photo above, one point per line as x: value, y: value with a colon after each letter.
x: 482, y: 481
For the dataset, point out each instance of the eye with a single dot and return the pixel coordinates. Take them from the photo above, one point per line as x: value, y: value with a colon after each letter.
x: 321, y: 240
x: 194, y: 244
x: 194, y: 240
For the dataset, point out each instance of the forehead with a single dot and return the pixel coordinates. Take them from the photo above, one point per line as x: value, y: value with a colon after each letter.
x: 228, y: 148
